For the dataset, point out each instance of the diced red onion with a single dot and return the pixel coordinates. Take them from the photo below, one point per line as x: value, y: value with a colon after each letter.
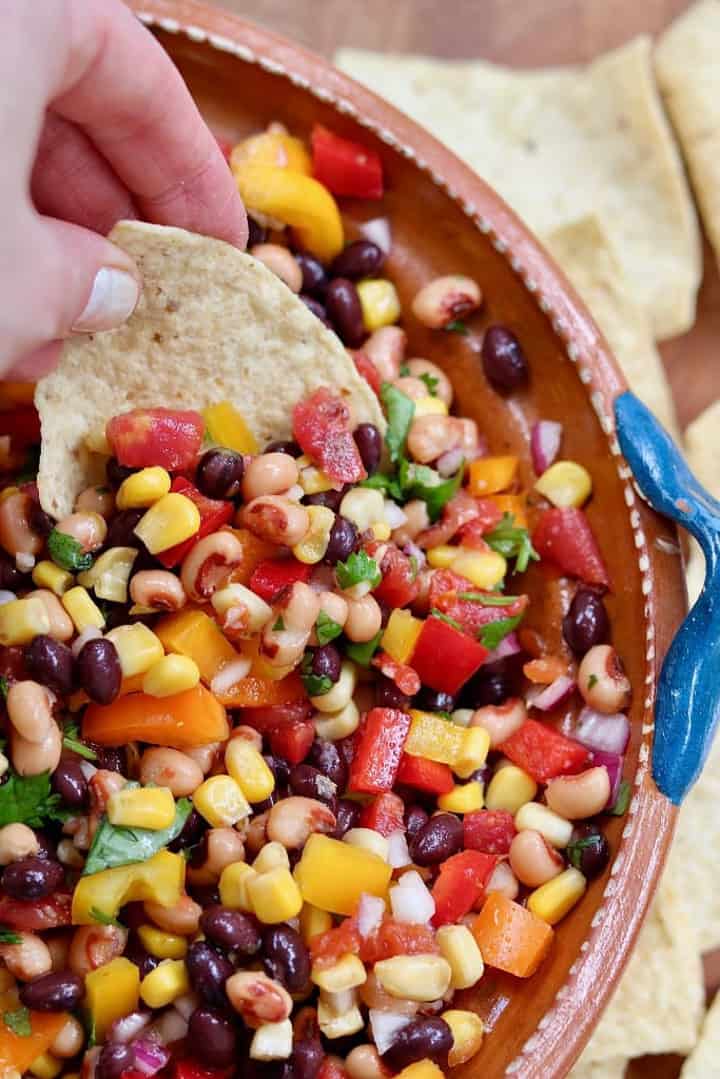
x: 598, y: 731
x: 613, y: 763
x: 295, y: 492
x: 89, y: 634
x: 6, y: 596
x: 547, y: 697
x: 24, y: 561
x: 378, y: 232
x: 509, y: 646
x: 384, y: 1026
x: 88, y: 769
x: 128, y: 1027
x: 370, y: 913
x: 398, y: 854
x: 171, y: 1026
x: 151, y: 1056
x: 394, y: 516
x: 410, y: 899
x: 186, y: 1004
x: 229, y: 675
x: 545, y: 441
x: 449, y: 463
x: 413, y: 551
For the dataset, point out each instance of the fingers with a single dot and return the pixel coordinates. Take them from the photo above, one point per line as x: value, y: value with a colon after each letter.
x: 34, y: 364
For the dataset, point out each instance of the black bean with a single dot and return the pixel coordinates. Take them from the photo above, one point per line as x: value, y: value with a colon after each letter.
x: 347, y: 816
x: 32, y: 878
x: 69, y: 782
x: 326, y: 757
x: 421, y: 1039
x: 279, y: 768
x: 369, y: 443
x: 135, y: 952
x: 121, y: 530
x: 214, y: 1036
x: 46, y: 846
x: 488, y: 686
x: 117, y: 473
x: 60, y: 991
x: 219, y: 473
x: 115, y: 1058
x: 503, y: 359
x: 286, y: 958
x: 192, y: 832
x: 437, y: 840
x: 343, y: 541
x: 11, y: 579
x: 415, y: 820
x: 307, y: 782
x: 111, y: 758
x: 434, y: 700
x: 360, y: 259
x: 316, y: 307
x: 40, y: 522
x: 588, y: 850
x: 346, y: 746
x: 586, y: 623
x: 345, y: 311
x: 231, y: 929
x: 326, y: 662
x: 314, y: 278
x: 307, y: 1057
x: 99, y: 671
x: 257, y: 233
x: 286, y: 445
x: 387, y: 695
x: 208, y: 972
x: 331, y: 499
x: 51, y: 662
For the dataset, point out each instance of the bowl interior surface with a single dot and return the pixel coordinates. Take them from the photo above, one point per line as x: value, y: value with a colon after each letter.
x: 433, y: 233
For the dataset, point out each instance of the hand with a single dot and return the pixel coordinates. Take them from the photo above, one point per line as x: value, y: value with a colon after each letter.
x: 96, y: 125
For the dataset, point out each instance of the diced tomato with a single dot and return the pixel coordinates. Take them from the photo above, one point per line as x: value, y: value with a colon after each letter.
x: 156, y: 436
x: 214, y: 513
x: 404, y: 677
x: 397, y: 938
x: 489, y: 830
x: 489, y: 515
x: 193, y: 1069
x: 399, y: 585
x: 543, y: 752
x: 34, y: 915
x: 22, y: 424
x: 461, y: 882
x: 277, y: 715
x: 385, y: 814
x: 345, y: 167
x: 424, y: 775
x: 461, y: 509
x: 326, y: 948
x: 321, y: 426
x: 377, y: 756
x: 445, y: 657
x: 293, y: 740
x: 368, y: 370
x: 471, y: 615
x: 565, y: 538
x: 275, y: 574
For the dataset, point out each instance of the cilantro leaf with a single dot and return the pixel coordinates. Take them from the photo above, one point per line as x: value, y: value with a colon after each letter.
x: 404, y: 371
x: 381, y: 482
x: 435, y: 613
x: 592, y: 681
x: 357, y: 568
x: 9, y: 936
x: 622, y: 801
x: 279, y: 625
x: 431, y: 381
x: 102, y: 918
x: 18, y: 1022
x: 73, y: 742
x: 488, y: 599
x: 419, y: 481
x: 116, y: 845
x: 4, y: 686
x: 512, y: 542
x: 67, y: 553
x: 400, y: 410
x: 326, y: 629
x: 29, y: 800
x: 456, y: 326
x: 363, y: 653
x: 316, y: 685
x: 492, y: 633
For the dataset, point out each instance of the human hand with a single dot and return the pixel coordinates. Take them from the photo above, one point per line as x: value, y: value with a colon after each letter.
x: 96, y: 125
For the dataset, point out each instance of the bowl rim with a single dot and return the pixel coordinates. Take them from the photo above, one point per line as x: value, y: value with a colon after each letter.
x: 564, y: 1029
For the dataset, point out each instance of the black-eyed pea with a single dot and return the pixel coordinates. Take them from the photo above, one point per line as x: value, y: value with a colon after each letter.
x: 209, y: 563
x: 165, y: 767
x: 386, y: 348
x: 533, y: 860
x: 34, y: 758
x: 269, y: 474
x: 93, y: 946
x: 437, y: 381
x: 277, y: 519
x: 17, y: 535
x: 182, y: 919
x: 89, y: 529
x: 503, y: 880
x: 431, y: 436
x: 17, y: 841
x: 602, y: 680
x: 500, y: 720
x: 364, y: 619
x: 416, y: 521
x: 157, y: 589
x: 281, y: 262
x: 414, y: 388
x: 293, y: 820
x: 28, y: 958
x: 257, y: 998
x: 580, y: 796
x: 69, y: 1040
x: 445, y: 299
x: 61, y: 624
x: 96, y: 499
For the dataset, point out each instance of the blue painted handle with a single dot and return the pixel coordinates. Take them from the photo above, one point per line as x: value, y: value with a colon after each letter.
x: 688, y: 695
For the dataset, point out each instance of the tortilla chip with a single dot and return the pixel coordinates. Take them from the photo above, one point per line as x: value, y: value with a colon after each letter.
x: 563, y: 143
x: 705, y: 1060
x: 584, y: 251
x: 601, y: 1069
x: 687, y: 71
x: 212, y: 324
x: 702, y: 439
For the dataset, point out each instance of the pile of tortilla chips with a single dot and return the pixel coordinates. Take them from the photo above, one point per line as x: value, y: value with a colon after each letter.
x: 592, y: 159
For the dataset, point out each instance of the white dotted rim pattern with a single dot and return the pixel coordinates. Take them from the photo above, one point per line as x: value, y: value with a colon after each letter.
x: 602, y: 408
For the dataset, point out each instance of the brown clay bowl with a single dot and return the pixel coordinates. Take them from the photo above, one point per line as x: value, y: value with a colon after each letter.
x: 445, y: 219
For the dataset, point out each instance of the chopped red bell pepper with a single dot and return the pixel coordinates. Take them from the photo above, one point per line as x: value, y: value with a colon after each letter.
x: 267, y: 717
x: 543, y: 752
x: 404, y: 677
x: 167, y: 437
x: 272, y: 575
x: 424, y: 775
x: 345, y: 167
x: 368, y: 370
x: 399, y: 585
x: 321, y: 426
x: 22, y: 424
x: 445, y: 589
x: 461, y: 882
x: 385, y: 814
x: 489, y: 515
x: 293, y: 740
x: 35, y: 915
x: 445, y: 657
x: 565, y: 538
x: 214, y: 513
x: 489, y: 830
x: 377, y: 757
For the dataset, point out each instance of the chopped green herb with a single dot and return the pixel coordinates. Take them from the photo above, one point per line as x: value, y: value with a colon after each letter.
x: 4, y: 686
x: 18, y: 1022
x: 435, y: 613
x: 431, y: 381
x: 457, y: 326
x: 279, y: 625
x: 494, y: 632
x: 9, y: 936
x: 443, y: 715
x: 102, y: 918
x: 326, y: 629
x: 73, y: 742
x: 363, y: 653
x: 357, y: 568
x: 404, y: 371
x: 512, y: 542
x: 382, y: 482
x: 316, y: 685
x: 576, y: 849
x: 400, y: 410
x: 29, y: 800
x: 592, y: 681
x: 488, y: 599
x: 90, y: 1030
x: 622, y: 801
x: 414, y: 567
x: 115, y: 845
x: 419, y: 481
x: 67, y: 553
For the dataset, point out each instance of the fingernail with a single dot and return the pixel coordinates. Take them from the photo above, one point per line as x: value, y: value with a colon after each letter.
x: 113, y: 299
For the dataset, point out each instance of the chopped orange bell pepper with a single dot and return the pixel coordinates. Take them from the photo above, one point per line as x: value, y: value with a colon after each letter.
x: 193, y: 633
x: 515, y: 505
x: 545, y: 670
x: 488, y: 475
x: 257, y: 692
x: 254, y: 551
x: 191, y: 718
x: 19, y: 1052
x: 510, y: 937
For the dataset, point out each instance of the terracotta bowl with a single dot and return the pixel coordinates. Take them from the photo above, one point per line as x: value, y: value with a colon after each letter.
x: 445, y: 219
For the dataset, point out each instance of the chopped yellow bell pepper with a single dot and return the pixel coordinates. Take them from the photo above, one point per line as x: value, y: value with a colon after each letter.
x: 160, y: 879
x: 401, y: 634
x: 333, y: 875
x: 194, y: 634
x: 227, y: 428
x: 313, y: 921
x: 488, y: 475
x: 295, y: 200
x: 434, y: 738
x: 272, y: 147
x: 111, y: 992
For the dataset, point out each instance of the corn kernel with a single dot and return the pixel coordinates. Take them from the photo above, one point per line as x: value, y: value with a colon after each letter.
x: 161, y: 944
x: 46, y: 1066
x: 381, y: 530
x: 554, y: 828
x: 461, y: 716
x: 109, y: 574
x: 23, y: 619
x: 138, y: 648
x: 340, y: 693
x: 272, y: 856
x: 46, y: 574
x: 368, y: 839
x: 347, y: 973
x: 401, y: 634
x: 473, y: 752
x: 459, y: 947
x: 143, y: 488
x: 509, y: 789
x: 565, y: 484
x: 221, y: 802
x: 275, y: 896
x: 314, y: 543
x: 338, y: 1025
x: 272, y: 1041
x: 467, y: 1030
x: 552, y: 900
x: 165, y: 984
x: 379, y: 301
x: 171, y: 674
x: 81, y: 608
x: 96, y: 441
x: 141, y: 807
x: 463, y: 798
x: 233, y: 886
x: 414, y: 977
x: 334, y: 725
x: 313, y: 480
x: 255, y: 609
x: 313, y: 921
x: 443, y: 556
x: 421, y: 1069
x: 249, y: 770
x: 484, y: 568
x: 362, y: 506
x: 171, y: 520
x: 430, y: 406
